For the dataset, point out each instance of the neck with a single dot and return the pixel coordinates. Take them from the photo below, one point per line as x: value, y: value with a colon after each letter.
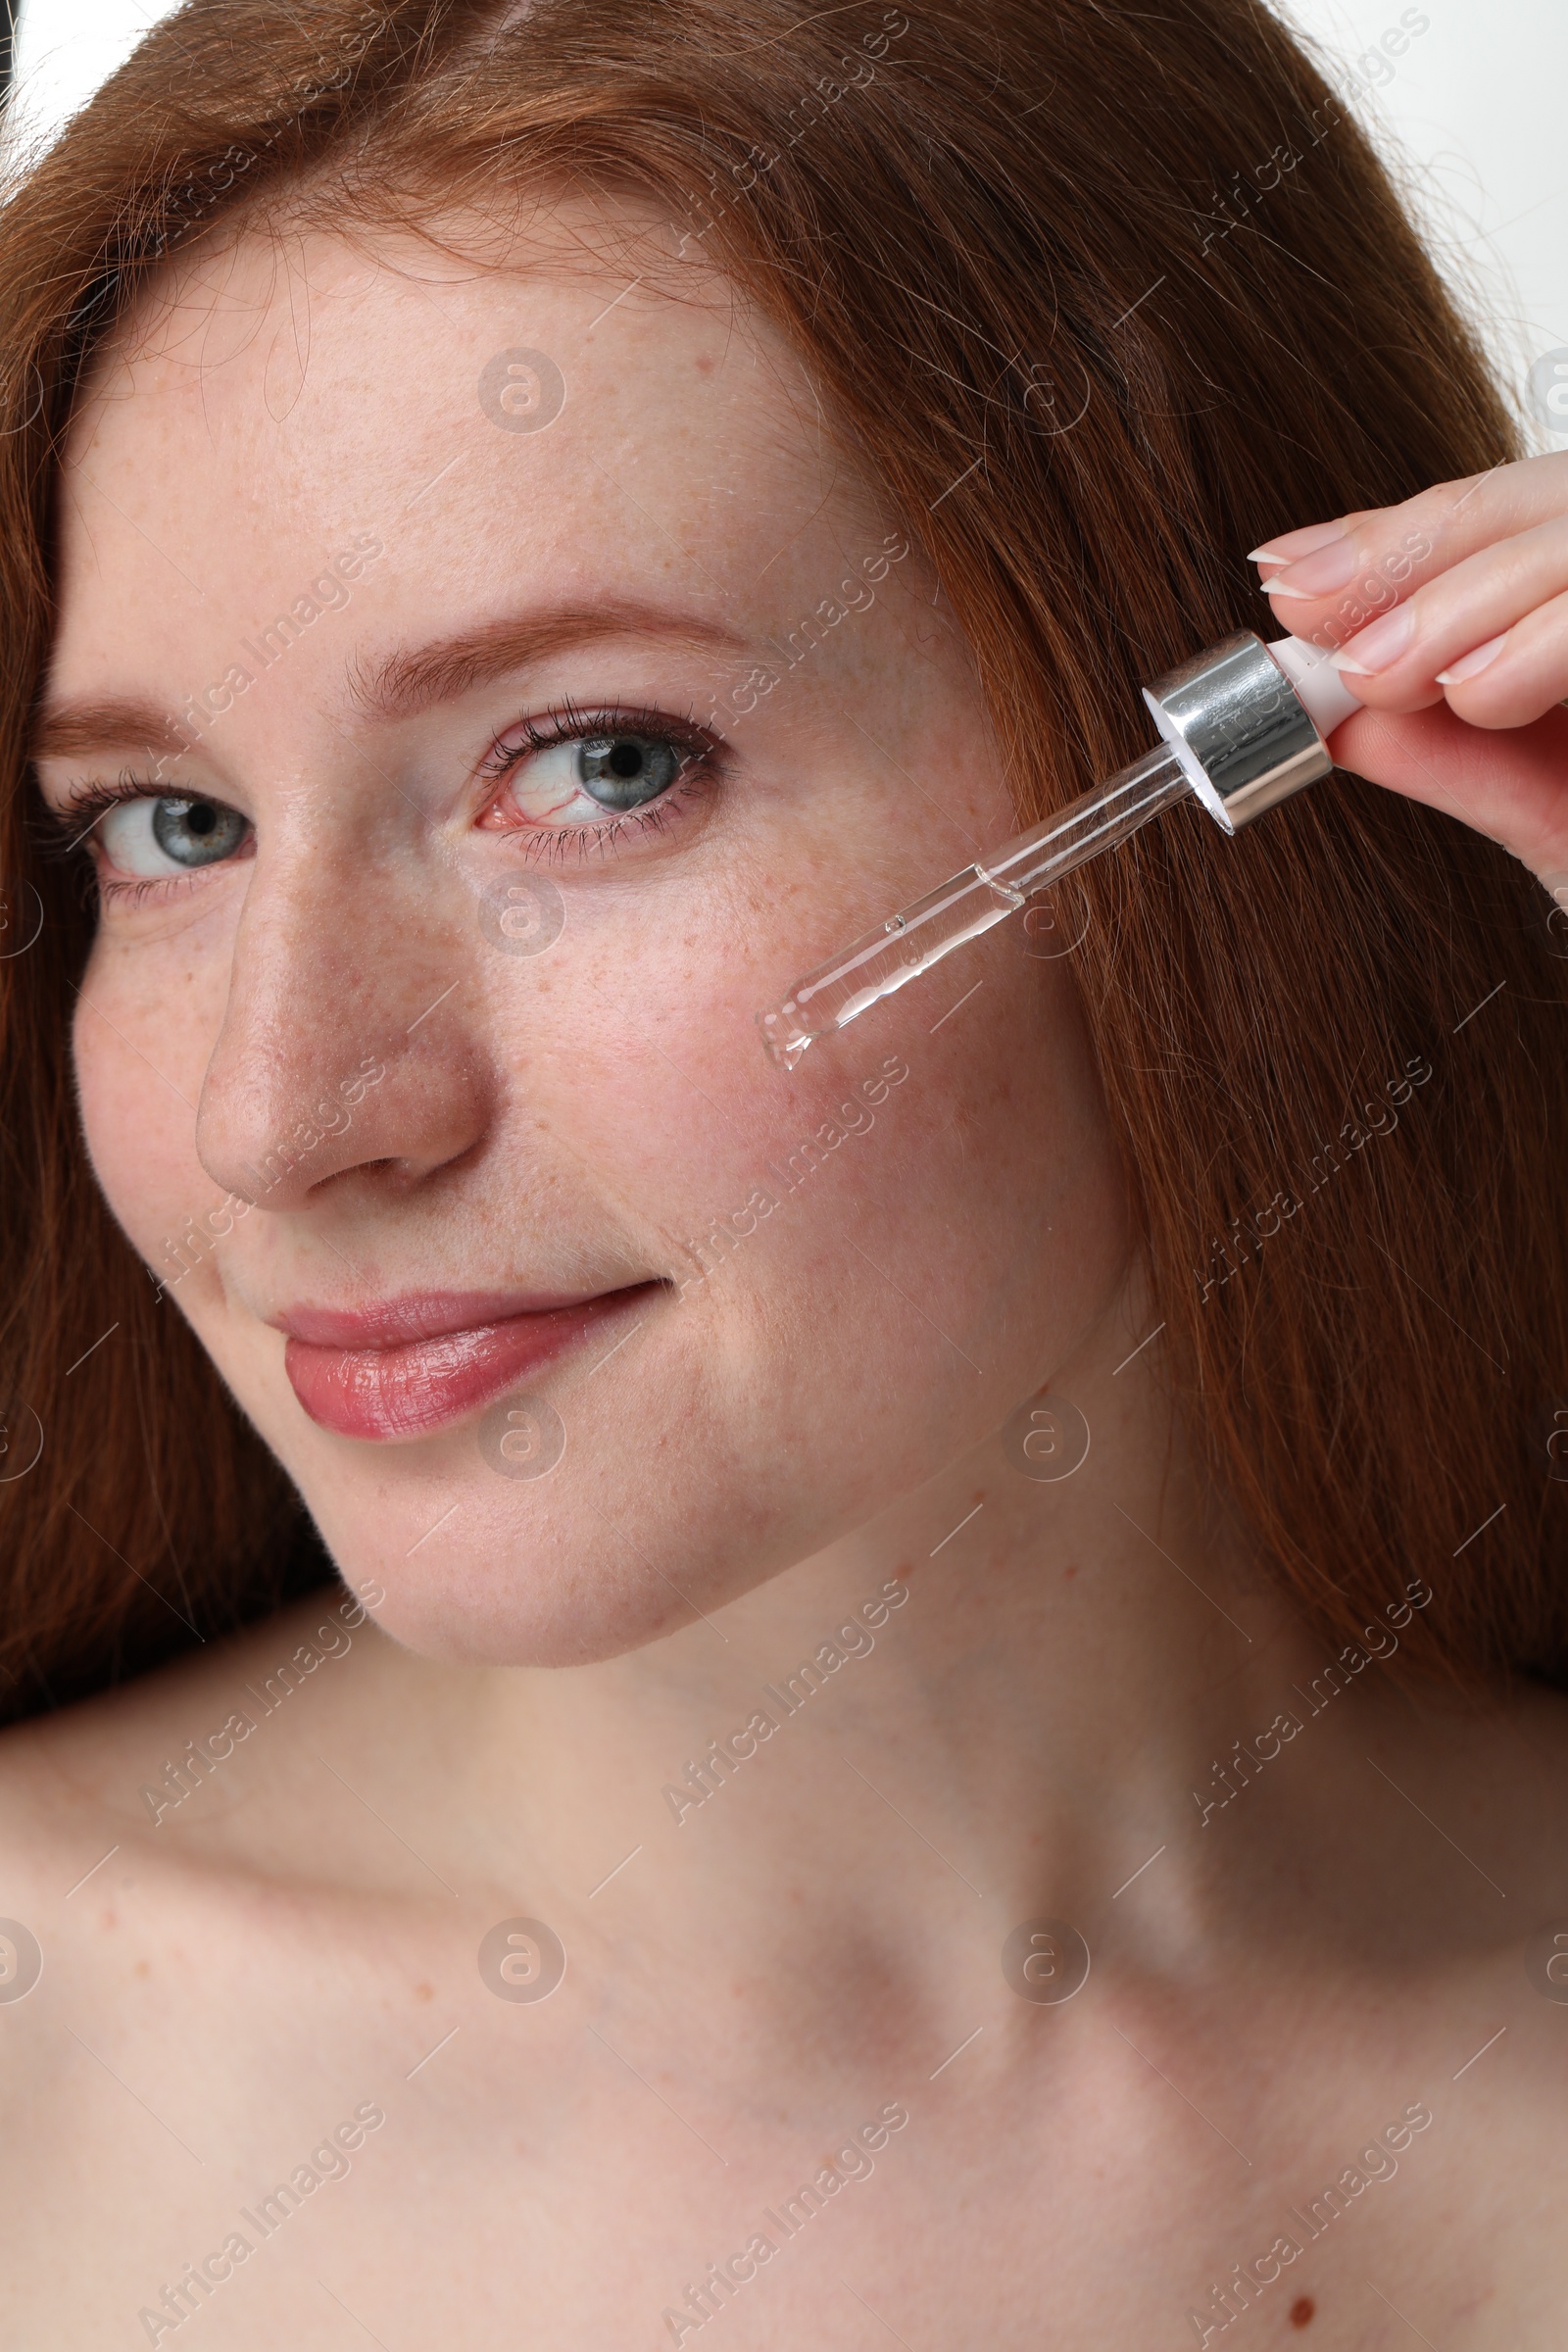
x: 991, y: 1704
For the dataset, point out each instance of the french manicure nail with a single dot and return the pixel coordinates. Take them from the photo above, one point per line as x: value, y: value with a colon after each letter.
x: 1274, y: 587
x: 1377, y: 647
x: 1292, y: 544
x: 1472, y: 662
x: 1325, y: 569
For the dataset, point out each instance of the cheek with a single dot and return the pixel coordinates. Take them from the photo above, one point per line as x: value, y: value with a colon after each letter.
x: 1002, y: 1211
x: 140, y: 1047
x: 930, y: 1256
x: 912, y: 1284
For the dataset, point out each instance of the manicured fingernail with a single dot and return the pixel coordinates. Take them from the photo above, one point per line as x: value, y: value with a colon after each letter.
x: 1325, y: 569
x: 1290, y: 544
x: 1472, y: 662
x: 1275, y: 587
x: 1377, y: 647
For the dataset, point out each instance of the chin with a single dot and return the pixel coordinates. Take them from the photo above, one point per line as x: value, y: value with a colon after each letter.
x: 535, y: 1598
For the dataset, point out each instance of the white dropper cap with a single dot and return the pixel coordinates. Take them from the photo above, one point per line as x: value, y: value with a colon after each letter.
x: 1323, y: 691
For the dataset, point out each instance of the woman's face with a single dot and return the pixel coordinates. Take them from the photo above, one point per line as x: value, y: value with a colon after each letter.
x: 513, y: 692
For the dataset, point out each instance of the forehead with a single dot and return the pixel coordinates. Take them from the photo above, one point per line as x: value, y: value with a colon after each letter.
x: 561, y: 407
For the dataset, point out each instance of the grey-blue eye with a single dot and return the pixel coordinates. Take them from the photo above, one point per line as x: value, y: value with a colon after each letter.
x: 577, y: 781
x: 197, y: 832
x: 622, y: 771
x: 157, y: 835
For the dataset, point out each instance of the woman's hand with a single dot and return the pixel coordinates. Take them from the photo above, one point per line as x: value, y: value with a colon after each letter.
x: 1449, y: 618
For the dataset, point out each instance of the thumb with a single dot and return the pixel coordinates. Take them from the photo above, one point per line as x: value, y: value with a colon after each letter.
x: 1510, y: 784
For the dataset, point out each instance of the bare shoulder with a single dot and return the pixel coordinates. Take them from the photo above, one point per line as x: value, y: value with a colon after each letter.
x: 132, y: 1756
x: 174, y: 1846
x: 168, y: 1782
x: 196, y: 1967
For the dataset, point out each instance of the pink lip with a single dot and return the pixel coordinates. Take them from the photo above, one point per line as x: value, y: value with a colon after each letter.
x: 412, y: 1365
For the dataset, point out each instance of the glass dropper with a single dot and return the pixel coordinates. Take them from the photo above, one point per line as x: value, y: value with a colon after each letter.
x: 921, y: 935
x: 1243, y: 727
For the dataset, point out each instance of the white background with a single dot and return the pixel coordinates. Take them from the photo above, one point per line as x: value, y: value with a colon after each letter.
x: 1472, y: 122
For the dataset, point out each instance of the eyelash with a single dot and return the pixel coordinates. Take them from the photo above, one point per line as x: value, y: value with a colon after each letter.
x: 71, y: 826
x: 701, y: 763
x: 564, y: 723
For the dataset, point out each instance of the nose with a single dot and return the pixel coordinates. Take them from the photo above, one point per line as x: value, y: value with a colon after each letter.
x: 342, y: 1044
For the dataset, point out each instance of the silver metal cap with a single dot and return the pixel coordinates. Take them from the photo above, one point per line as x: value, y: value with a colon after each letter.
x: 1240, y: 729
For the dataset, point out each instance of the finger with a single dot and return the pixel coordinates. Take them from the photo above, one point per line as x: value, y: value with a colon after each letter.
x: 1513, y: 788
x: 1452, y: 631
x: 1376, y: 557
x: 1289, y: 548
x: 1286, y: 546
x: 1514, y: 677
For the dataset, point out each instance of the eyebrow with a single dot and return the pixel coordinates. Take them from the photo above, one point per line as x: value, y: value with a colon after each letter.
x: 407, y: 683
x: 402, y: 684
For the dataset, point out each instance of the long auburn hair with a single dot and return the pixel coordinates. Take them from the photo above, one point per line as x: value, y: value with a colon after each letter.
x: 1102, y: 296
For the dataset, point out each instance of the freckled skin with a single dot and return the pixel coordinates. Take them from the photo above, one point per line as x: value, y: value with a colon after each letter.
x: 566, y: 1122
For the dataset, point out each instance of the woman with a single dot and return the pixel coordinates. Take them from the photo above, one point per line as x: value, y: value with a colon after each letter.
x: 938, y: 1721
